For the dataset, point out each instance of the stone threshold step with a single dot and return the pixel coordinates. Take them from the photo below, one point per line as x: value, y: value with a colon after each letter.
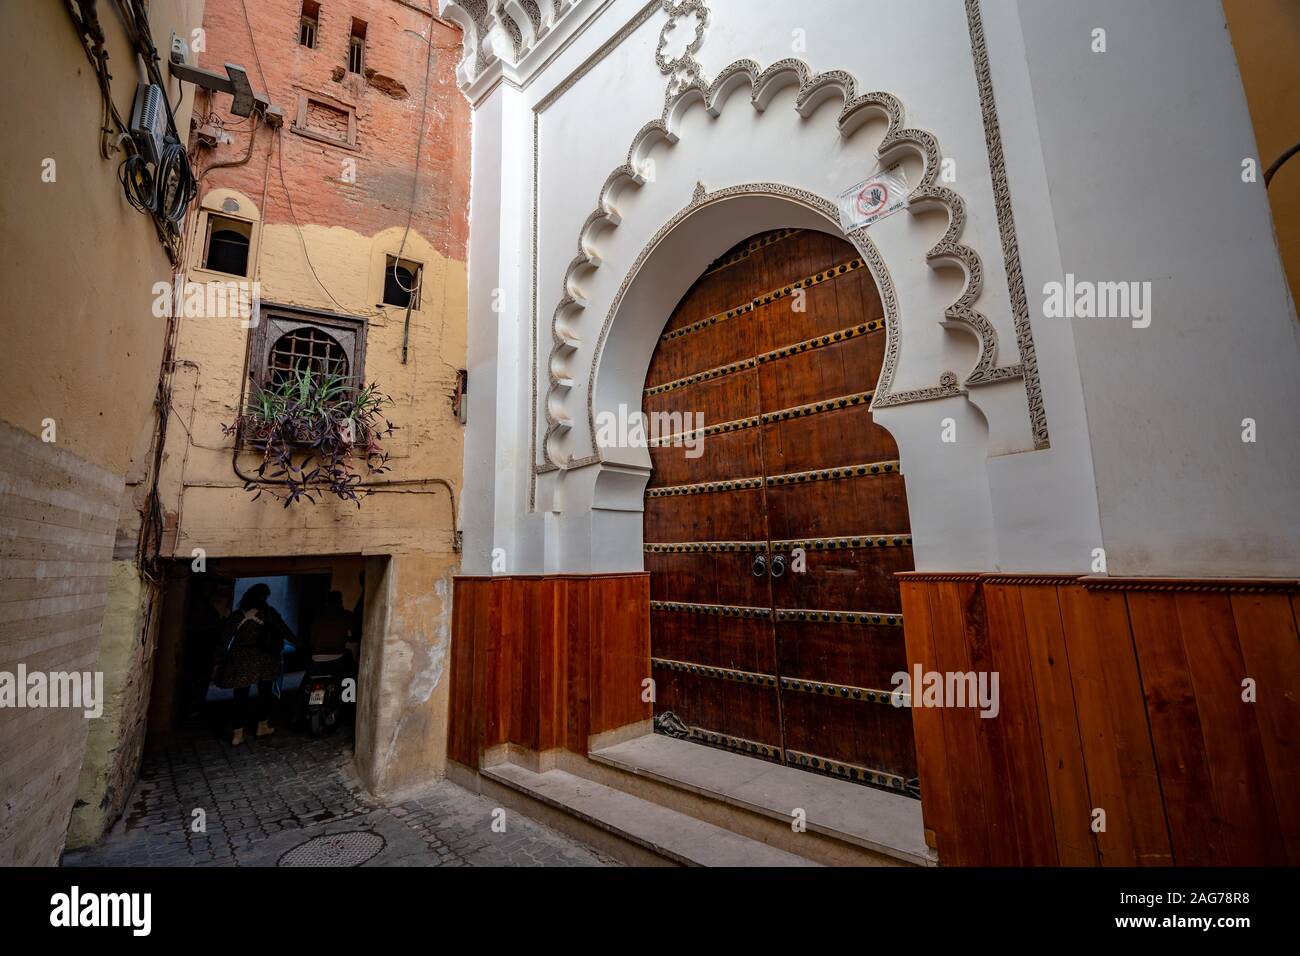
x: 882, y: 822
x: 664, y: 832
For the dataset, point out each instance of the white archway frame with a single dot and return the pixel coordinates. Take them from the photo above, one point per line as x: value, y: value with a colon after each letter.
x: 812, y: 92
x: 598, y: 502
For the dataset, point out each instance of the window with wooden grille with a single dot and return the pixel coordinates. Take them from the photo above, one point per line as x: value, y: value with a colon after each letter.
x: 289, y: 340
x: 357, y: 47
x: 308, y: 24
x: 306, y: 349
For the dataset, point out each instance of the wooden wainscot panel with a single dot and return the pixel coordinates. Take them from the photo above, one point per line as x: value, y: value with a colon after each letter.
x: 471, y: 601
x: 1018, y: 727
x: 940, y: 626
x: 1270, y: 648
x: 1067, y: 781
x: 619, y: 642
x: 1228, y: 764
x: 544, y: 662
x: 1171, y: 705
x: 938, y: 803
x: 1118, y: 754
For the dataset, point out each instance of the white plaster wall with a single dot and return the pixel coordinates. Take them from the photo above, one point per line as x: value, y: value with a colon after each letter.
x: 478, y: 499
x: 1143, y: 147
x: 986, y: 502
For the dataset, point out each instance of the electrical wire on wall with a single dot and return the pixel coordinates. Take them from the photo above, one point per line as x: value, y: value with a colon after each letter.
x: 400, y: 485
x: 419, y: 150
x: 162, y: 185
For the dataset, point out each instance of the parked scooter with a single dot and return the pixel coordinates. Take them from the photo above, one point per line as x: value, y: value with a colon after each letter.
x: 321, y: 696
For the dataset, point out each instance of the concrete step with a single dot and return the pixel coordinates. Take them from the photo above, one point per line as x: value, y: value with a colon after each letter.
x: 844, y: 823
x: 628, y: 827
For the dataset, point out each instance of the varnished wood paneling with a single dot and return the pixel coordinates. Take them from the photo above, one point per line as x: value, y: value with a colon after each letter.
x: 1113, y: 727
x: 545, y: 662
x: 980, y: 823
x: 1062, y: 750
x: 1266, y: 630
x: 945, y: 830
x: 1118, y: 695
x: 1014, y: 735
x: 1240, y: 789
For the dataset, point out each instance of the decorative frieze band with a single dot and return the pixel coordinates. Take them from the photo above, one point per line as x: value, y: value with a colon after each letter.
x: 752, y: 248
x: 721, y: 673
x: 699, y: 547
x: 1007, y: 227
x: 812, y: 616
x: 766, y: 298
x: 807, y: 345
x: 846, y: 543
x: 714, y: 610
x: 853, y: 772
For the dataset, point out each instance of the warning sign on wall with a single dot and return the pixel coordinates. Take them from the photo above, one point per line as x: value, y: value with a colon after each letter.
x: 883, y: 194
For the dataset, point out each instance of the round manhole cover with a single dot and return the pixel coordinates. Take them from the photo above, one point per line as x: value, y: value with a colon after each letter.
x: 337, y: 849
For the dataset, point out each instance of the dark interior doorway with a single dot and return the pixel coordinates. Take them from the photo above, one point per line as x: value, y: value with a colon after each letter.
x: 318, y: 606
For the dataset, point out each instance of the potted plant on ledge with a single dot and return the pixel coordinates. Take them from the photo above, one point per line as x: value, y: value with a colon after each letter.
x: 317, y: 433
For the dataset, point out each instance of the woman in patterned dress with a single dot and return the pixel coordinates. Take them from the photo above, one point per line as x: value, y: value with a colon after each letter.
x: 250, y: 653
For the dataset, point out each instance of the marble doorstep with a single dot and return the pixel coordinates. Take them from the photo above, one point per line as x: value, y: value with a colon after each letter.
x: 675, y: 836
x: 874, y: 819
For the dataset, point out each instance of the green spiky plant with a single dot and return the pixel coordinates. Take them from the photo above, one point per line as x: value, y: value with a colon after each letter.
x: 317, y: 432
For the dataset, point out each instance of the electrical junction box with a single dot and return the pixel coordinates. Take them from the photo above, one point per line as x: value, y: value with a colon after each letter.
x: 149, y: 120
x: 180, y: 51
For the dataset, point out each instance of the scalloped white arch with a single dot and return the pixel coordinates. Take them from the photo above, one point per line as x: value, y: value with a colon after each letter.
x: 813, y: 90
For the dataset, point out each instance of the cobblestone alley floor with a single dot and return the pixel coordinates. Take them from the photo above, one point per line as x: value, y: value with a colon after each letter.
x: 291, y: 800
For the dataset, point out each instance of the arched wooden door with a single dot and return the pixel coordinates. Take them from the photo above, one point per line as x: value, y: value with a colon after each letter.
x: 755, y: 649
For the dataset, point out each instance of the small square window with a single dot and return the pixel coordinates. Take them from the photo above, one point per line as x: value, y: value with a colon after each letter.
x: 357, y: 47
x: 402, y: 283
x: 225, y: 245
x: 308, y: 24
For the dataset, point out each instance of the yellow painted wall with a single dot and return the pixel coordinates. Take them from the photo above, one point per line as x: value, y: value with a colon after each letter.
x: 116, y: 739
x: 83, y: 348
x: 202, y: 494
x: 1266, y: 37
x: 77, y: 263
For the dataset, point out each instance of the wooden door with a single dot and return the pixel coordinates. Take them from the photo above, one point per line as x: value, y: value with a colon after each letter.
x: 772, y: 538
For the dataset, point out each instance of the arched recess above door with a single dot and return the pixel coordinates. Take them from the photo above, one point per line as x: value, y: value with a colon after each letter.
x: 597, y: 501
x: 578, y: 342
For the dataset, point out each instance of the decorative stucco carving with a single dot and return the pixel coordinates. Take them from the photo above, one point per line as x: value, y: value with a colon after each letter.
x: 812, y: 91
x: 521, y: 24
x: 1007, y: 226
x: 525, y: 22
x: 682, y: 67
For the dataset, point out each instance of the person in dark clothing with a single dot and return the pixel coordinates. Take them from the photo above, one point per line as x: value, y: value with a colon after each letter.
x: 250, y: 653
x: 358, y: 617
x: 329, y: 636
